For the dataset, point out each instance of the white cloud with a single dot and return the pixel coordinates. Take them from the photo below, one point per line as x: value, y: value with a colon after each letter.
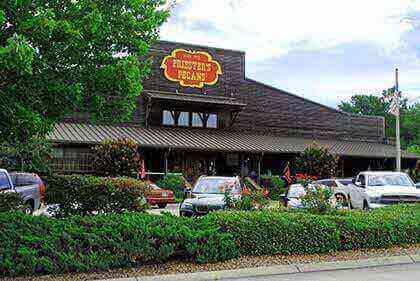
x: 324, y: 50
x: 267, y: 29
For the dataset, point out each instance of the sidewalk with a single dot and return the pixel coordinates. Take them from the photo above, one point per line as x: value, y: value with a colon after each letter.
x: 270, y: 271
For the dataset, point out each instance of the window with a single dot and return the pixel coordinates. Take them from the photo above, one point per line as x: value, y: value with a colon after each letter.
x: 362, y: 180
x: 196, y: 120
x: 4, y: 181
x: 212, y: 121
x: 189, y: 119
x: 168, y: 118
x: 384, y: 180
x: 183, y: 119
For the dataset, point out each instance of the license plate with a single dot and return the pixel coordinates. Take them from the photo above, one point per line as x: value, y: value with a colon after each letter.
x: 164, y: 194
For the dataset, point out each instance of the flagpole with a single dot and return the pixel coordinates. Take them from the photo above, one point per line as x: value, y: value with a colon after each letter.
x: 397, y: 119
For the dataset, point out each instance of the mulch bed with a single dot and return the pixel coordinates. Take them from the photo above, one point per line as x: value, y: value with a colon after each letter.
x: 173, y: 267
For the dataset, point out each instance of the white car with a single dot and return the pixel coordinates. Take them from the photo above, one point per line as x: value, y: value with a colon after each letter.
x: 386, y: 188
x: 355, y: 197
x: 345, y: 193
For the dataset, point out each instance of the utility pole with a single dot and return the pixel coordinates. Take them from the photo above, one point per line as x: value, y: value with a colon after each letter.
x: 397, y: 121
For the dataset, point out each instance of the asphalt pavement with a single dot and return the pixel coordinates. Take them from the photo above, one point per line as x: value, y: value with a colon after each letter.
x: 406, y: 272
x: 170, y: 208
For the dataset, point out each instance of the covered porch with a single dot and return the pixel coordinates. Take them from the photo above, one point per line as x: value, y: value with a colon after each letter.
x: 209, y: 151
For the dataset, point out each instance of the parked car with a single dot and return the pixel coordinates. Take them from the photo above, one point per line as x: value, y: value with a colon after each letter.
x: 208, y: 194
x: 348, y: 194
x: 294, y: 193
x: 345, y: 194
x: 29, y: 186
x: 159, y: 196
x: 386, y: 188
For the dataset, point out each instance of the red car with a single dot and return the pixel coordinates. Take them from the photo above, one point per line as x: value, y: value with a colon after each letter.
x: 159, y: 196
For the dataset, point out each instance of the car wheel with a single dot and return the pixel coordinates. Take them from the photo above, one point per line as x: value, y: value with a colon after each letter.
x: 162, y: 205
x: 365, y: 206
x: 351, y: 207
x: 342, y: 201
x: 27, y: 209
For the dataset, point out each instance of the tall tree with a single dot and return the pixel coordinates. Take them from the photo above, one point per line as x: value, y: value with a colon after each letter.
x: 63, y: 56
x: 379, y: 106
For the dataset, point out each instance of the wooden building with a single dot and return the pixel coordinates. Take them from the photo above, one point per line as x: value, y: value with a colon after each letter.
x: 200, y: 114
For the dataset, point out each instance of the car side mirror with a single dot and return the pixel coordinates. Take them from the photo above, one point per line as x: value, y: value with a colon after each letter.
x: 359, y: 183
x: 418, y: 185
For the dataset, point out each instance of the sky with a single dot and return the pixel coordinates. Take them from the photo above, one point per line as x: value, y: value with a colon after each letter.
x: 322, y: 50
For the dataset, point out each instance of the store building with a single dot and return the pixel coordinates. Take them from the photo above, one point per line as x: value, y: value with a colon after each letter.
x: 200, y: 114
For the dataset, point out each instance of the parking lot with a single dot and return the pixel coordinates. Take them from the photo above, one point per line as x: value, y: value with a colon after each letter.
x: 171, y: 208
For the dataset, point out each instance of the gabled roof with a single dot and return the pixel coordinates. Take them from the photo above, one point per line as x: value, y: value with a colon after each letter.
x: 213, y: 140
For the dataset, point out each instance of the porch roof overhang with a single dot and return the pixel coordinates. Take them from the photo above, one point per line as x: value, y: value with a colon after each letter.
x: 204, y: 103
x: 213, y: 140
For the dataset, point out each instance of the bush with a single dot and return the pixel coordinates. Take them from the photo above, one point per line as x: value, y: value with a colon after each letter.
x: 317, y: 199
x: 275, y: 185
x: 10, y: 201
x: 85, y: 195
x: 173, y: 182
x: 317, y: 161
x: 269, y: 231
x: 41, y: 245
x: 116, y: 158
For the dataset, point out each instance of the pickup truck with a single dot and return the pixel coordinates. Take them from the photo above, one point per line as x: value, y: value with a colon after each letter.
x: 385, y: 188
x: 29, y: 186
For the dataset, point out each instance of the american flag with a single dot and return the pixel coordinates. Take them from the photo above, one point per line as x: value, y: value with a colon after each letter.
x: 142, y: 173
x: 394, y: 109
x: 286, y: 174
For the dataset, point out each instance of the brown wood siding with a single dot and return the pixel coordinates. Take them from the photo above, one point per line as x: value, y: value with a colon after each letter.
x: 268, y: 109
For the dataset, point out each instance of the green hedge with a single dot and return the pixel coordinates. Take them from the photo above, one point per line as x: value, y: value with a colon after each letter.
x: 297, y: 232
x: 10, y: 201
x: 84, y: 195
x: 41, y: 245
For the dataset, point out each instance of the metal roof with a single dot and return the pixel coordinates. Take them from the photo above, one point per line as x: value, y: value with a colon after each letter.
x: 194, y: 98
x: 213, y: 140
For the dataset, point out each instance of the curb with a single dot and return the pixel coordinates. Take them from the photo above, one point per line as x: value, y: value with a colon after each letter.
x: 280, y: 269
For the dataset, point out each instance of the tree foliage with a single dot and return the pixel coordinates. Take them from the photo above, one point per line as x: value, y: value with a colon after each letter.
x: 379, y: 106
x: 63, y: 56
x: 116, y: 158
x: 317, y: 161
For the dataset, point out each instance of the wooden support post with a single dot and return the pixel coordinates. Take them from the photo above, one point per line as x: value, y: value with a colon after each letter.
x: 166, y: 161
x: 259, y: 167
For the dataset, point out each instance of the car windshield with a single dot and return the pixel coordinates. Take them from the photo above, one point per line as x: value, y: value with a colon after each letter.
x: 215, y: 185
x: 382, y: 180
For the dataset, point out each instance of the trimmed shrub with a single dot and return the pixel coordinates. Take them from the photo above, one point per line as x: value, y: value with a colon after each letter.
x: 10, y: 201
x: 41, y: 245
x: 173, y: 182
x: 275, y: 185
x: 273, y: 232
x: 116, y: 158
x: 381, y: 228
x: 84, y: 195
